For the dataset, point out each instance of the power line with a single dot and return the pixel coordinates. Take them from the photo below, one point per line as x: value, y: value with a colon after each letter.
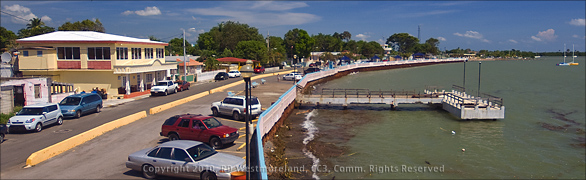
x: 176, y: 35
x: 13, y: 15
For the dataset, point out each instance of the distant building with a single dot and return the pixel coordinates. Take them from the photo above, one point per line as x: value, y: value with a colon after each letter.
x: 90, y: 59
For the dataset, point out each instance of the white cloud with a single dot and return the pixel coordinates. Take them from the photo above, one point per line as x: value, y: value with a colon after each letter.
x: 473, y: 35
x: 441, y: 38
x: 513, y: 41
x: 148, y: 11
x: 547, y: 35
x: 578, y: 22
x: 578, y: 37
x: 23, y: 12
x: 362, y: 36
x: 257, y: 18
x: 277, y: 6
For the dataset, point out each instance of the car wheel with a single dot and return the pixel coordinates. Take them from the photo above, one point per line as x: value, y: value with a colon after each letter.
x: 166, y: 92
x: 148, y: 171
x: 175, y: 91
x: 236, y: 116
x: 208, y: 176
x: 187, y: 88
x: 59, y: 121
x: 216, y: 143
x: 215, y: 112
x: 1, y: 138
x: 98, y: 109
x: 78, y: 114
x: 173, y: 137
x: 39, y: 127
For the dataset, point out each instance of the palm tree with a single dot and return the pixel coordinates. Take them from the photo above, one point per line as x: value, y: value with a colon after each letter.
x: 35, y: 23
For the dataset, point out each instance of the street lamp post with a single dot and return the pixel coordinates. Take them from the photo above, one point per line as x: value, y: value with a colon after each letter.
x: 247, y: 71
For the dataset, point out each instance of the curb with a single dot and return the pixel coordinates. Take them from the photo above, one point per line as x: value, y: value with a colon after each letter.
x: 56, y: 149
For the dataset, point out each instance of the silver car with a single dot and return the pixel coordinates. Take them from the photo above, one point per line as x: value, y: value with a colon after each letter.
x: 185, y: 159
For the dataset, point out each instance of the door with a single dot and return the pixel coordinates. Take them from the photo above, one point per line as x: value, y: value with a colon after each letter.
x: 85, y: 104
x: 198, y: 131
x: 225, y: 106
x: 185, y: 130
x: 181, y: 167
x: 18, y: 96
x: 163, y: 160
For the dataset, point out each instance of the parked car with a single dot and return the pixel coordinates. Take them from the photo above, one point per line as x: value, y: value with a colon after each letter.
x: 3, y: 132
x: 259, y: 69
x: 310, y: 70
x: 234, y: 74
x: 292, y: 76
x: 182, y: 85
x: 79, y: 104
x: 35, y: 117
x: 222, y: 76
x: 199, y: 128
x: 185, y: 159
x: 164, y: 87
x: 235, y: 106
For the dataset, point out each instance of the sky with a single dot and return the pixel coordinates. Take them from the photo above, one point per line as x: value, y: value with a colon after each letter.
x: 538, y: 26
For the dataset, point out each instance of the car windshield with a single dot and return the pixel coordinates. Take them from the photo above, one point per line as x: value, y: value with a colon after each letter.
x: 162, y: 84
x: 70, y: 101
x: 31, y: 111
x: 212, y: 123
x: 200, y: 152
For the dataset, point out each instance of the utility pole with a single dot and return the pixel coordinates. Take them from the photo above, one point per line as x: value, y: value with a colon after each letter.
x: 184, y: 59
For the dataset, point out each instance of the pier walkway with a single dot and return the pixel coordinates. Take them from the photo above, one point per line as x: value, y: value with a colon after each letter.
x: 459, y: 104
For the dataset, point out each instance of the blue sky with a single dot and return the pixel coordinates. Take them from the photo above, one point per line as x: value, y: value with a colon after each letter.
x: 493, y: 25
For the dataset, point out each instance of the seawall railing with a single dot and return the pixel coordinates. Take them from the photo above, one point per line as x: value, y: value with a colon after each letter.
x: 269, y: 117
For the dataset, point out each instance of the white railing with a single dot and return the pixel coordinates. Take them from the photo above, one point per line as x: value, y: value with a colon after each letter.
x: 269, y: 117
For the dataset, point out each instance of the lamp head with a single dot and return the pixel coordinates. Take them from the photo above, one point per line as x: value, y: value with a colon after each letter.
x: 247, y: 70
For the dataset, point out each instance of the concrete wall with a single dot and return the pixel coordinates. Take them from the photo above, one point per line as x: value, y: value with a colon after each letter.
x: 209, y: 75
x: 6, y: 101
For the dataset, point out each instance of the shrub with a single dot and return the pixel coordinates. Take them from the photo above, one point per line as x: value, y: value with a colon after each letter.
x: 4, y: 117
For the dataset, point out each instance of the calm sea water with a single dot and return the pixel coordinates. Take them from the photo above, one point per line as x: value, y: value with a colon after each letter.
x: 540, y: 136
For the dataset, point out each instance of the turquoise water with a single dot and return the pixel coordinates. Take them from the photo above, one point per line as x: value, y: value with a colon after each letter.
x: 540, y: 136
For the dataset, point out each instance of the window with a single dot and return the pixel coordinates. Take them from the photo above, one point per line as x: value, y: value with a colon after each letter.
x: 160, y: 53
x: 37, y: 91
x: 121, y: 53
x: 25, y: 53
x: 39, y: 53
x: 68, y: 53
x: 153, y: 153
x: 136, y: 53
x: 149, y: 77
x: 165, y: 153
x: 180, y: 155
x: 148, y: 53
x: 171, y: 120
x: 184, y: 123
x: 98, y: 52
x: 52, y: 108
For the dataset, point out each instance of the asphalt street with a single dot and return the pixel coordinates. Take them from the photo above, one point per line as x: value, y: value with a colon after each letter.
x: 104, y: 157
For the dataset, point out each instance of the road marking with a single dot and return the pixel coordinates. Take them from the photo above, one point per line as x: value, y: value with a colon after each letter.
x: 233, y: 121
x: 241, y: 146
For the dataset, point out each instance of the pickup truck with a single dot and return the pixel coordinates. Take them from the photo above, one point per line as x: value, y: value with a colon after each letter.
x: 164, y: 87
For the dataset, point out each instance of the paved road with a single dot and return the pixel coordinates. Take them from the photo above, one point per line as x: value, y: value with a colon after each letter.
x: 18, y: 146
x: 104, y: 157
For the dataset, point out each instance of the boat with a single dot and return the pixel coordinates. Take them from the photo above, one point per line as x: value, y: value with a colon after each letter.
x: 573, y: 57
x: 563, y: 63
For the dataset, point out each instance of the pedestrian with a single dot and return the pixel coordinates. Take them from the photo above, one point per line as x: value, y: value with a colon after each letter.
x: 278, y: 78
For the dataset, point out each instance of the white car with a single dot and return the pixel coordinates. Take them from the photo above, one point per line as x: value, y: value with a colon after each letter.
x: 235, y: 106
x: 292, y: 76
x: 234, y: 74
x: 34, y: 117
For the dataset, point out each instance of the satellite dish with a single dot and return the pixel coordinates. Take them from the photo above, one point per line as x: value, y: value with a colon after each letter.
x: 6, y: 57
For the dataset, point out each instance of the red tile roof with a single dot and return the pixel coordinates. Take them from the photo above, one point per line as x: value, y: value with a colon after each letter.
x: 190, y: 63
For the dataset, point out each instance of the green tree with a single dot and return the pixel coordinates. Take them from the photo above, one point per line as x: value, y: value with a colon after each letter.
x: 211, y: 64
x: 277, y: 52
x: 85, y: 25
x: 405, y: 42
x: 153, y: 38
x: 227, y: 35
x: 227, y: 53
x: 371, y: 48
x: 175, y: 47
x: 346, y: 36
x: 255, y: 50
x: 433, y: 46
x: 351, y: 46
x: 7, y: 39
x: 34, y: 27
x: 302, y: 43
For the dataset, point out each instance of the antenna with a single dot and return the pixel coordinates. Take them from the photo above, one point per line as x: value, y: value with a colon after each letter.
x: 6, y: 57
x: 418, y: 32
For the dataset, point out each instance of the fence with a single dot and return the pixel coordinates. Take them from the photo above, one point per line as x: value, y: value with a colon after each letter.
x: 269, y: 117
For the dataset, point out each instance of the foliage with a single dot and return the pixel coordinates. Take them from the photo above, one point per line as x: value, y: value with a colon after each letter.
x: 35, y: 27
x: 371, y: 48
x: 227, y: 53
x: 301, y: 42
x: 7, y: 39
x: 405, y: 41
x: 175, y: 47
x: 277, y: 52
x: 5, y: 117
x: 327, y: 43
x: 211, y: 63
x: 85, y: 25
x: 227, y: 35
x: 327, y: 56
x: 153, y: 38
x: 255, y: 50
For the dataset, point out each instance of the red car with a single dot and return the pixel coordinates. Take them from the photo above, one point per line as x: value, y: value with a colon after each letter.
x: 259, y: 69
x: 199, y: 128
x: 182, y: 85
